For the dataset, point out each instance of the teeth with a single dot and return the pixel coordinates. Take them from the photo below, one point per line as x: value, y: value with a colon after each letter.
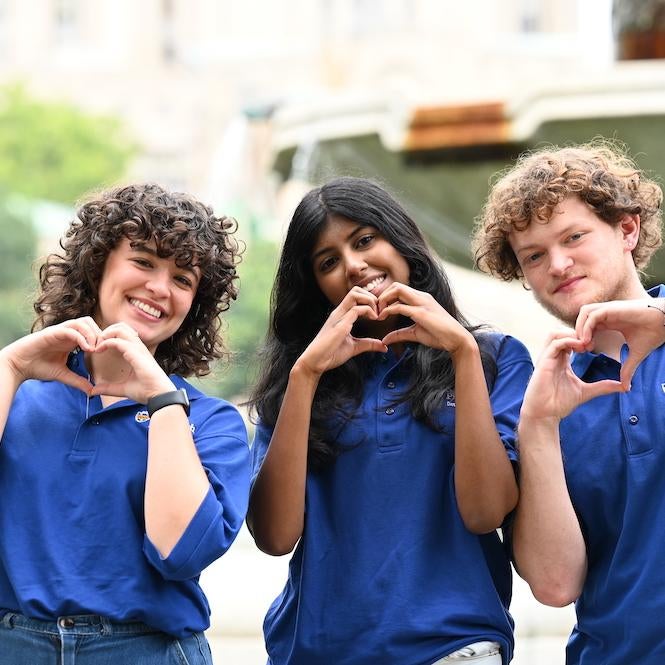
x: 374, y: 283
x: 146, y: 308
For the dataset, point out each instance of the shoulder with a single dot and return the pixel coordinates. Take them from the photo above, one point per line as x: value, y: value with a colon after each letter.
x: 505, y: 349
x: 206, y: 407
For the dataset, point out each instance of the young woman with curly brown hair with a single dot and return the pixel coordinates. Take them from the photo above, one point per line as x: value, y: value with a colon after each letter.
x: 120, y: 481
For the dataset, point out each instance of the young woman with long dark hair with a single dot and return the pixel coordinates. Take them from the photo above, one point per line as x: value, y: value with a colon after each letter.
x: 384, y: 446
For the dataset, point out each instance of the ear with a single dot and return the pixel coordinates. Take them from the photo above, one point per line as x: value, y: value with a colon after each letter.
x: 630, y: 230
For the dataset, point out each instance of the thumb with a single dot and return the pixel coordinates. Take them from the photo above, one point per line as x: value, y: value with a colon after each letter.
x: 628, y: 368
x: 107, y: 388
x: 407, y: 334
x: 76, y: 381
x: 367, y: 344
x: 604, y: 387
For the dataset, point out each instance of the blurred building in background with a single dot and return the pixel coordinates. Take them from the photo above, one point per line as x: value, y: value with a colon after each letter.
x: 180, y: 71
x: 246, y: 104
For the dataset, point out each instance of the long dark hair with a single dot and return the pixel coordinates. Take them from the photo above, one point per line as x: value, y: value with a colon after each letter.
x: 299, y: 310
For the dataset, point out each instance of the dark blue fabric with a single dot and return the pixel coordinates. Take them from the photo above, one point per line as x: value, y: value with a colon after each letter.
x: 614, y: 456
x: 72, y: 533
x: 385, y: 571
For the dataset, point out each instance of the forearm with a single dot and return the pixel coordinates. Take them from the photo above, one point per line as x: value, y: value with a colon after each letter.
x: 548, y: 545
x: 485, y: 484
x: 9, y: 384
x: 277, y: 502
x: 176, y: 482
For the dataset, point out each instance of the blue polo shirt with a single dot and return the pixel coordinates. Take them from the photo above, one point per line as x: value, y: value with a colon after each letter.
x: 72, y: 531
x: 385, y: 571
x: 614, y: 457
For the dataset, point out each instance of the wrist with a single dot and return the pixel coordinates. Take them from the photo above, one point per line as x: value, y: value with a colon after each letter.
x: 168, y: 398
x: 530, y: 425
x: 301, y: 371
x: 11, y: 371
x: 467, y: 348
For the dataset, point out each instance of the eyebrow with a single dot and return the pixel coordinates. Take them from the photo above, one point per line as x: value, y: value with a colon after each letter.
x: 146, y: 249
x: 355, y: 231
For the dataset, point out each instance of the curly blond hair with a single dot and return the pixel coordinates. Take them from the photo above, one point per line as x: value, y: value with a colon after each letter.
x: 600, y: 173
x: 182, y: 228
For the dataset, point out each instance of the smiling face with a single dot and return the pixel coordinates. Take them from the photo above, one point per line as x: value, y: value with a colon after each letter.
x: 576, y: 258
x: 151, y: 294
x: 349, y: 254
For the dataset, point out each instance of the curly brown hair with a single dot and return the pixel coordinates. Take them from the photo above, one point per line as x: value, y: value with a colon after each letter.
x: 600, y: 173
x: 181, y: 227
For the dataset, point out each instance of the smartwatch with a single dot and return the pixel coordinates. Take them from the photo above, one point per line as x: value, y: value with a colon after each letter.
x: 166, y: 399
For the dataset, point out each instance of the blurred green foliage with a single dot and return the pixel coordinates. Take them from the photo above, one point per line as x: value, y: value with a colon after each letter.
x: 246, y: 322
x: 53, y: 150
x: 17, y: 252
x: 48, y: 151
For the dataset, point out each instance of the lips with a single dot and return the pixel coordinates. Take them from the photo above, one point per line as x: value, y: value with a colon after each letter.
x: 146, y: 308
x: 567, y: 284
x: 370, y: 285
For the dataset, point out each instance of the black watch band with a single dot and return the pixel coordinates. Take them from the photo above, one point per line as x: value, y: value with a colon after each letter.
x: 166, y: 399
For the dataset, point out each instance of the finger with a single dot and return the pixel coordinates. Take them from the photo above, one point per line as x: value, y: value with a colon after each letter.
x: 408, y: 334
x: 366, y: 344
x: 587, y: 324
x: 119, y: 330
x: 358, y: 295
x: 628, y: 367
x: 108, y: 388
x: 76, y: 381
x: 85, y: 327
x: 398, y: 292
x: 604, y: 387
x: 410, y: 311
x: 559, y: 333
x: 76, y: 337
x: 117, y: 343
x: 356, y: 312
x: 562, y: 345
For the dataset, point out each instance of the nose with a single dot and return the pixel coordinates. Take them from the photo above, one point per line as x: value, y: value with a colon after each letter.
x: 560, y: 262
x: 355, y: 266
x: 158, y: 284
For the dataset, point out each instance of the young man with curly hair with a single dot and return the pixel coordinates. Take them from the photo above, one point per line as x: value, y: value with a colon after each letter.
x: 578, y: 225
x: 120, y: 481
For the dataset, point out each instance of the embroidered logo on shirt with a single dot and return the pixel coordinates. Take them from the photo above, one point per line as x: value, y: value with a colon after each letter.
x: 143, y: 417
x: 450, y: 398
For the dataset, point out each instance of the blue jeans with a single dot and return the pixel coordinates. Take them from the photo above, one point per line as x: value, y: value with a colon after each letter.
x: 94, y: 640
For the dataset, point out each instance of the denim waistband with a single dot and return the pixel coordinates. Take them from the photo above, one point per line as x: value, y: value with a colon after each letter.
x: 76, y: 624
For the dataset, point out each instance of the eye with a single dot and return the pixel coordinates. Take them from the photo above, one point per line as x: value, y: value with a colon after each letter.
x: 327, y: 264
x: 184, y: 280
x: 365, y: 240
x: 530, y: 259
x: 574, y: 237
x: 144, y: 263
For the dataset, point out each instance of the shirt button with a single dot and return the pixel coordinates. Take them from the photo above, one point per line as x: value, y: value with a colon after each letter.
x: 633, y: 420
x: 66, y: 622
x: 390, y: 384
x: 390, y: 411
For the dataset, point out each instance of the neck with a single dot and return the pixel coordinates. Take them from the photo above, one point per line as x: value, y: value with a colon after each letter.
x: 108, y: 366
